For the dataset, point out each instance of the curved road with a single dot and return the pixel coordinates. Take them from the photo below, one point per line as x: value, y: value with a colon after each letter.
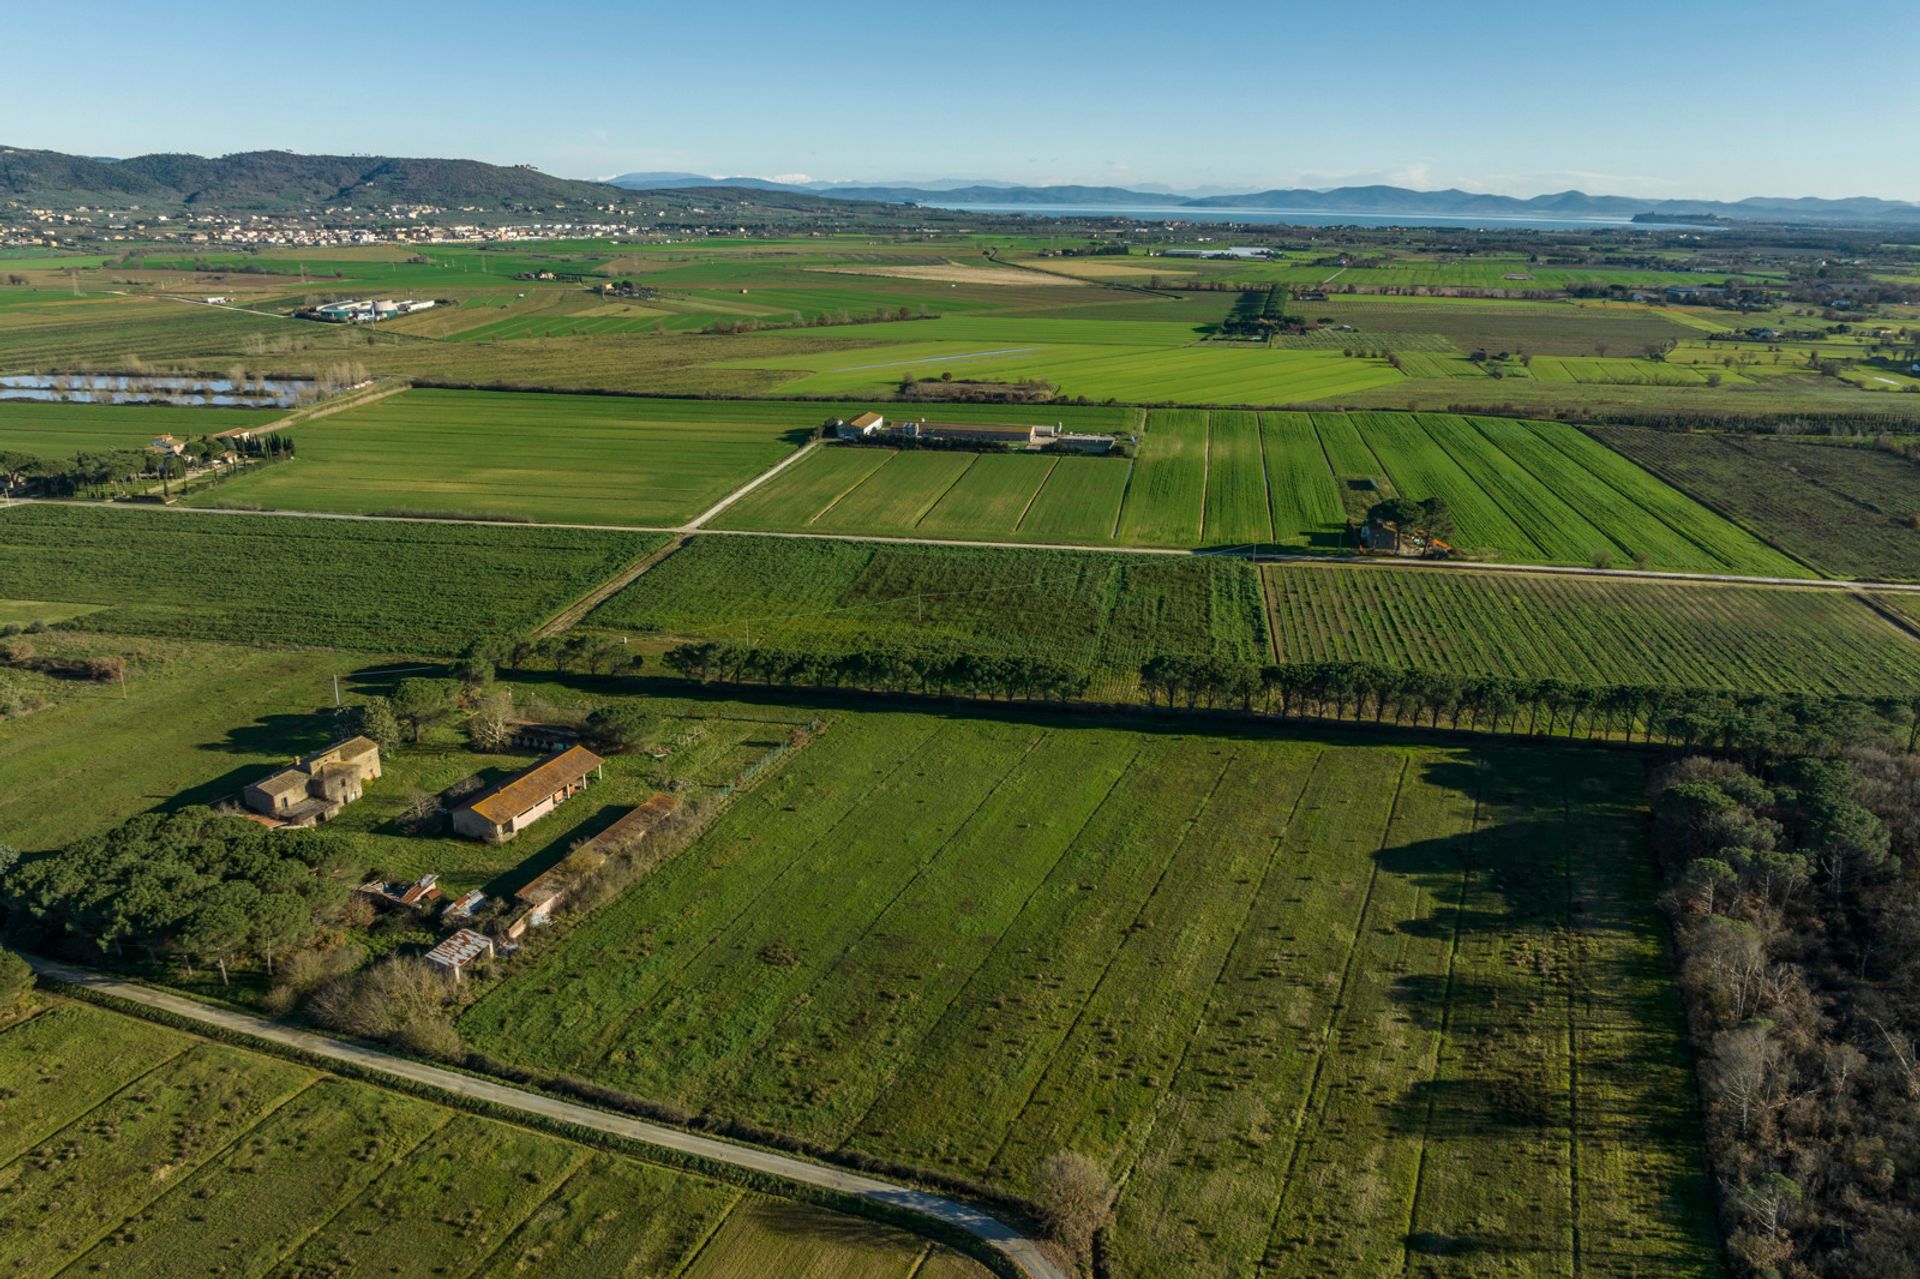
x: 1016, y: 1247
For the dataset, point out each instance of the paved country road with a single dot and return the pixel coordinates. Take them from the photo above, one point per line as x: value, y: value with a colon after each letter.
x: 1021, y: 1250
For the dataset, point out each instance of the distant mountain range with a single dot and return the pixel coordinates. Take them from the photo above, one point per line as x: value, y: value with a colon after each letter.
x: 277, y: 181
x: 1368, y: 200
x: 273, y: 181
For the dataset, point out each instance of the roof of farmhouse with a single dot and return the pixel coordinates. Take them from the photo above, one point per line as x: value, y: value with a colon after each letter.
x: 517, y: 794
x: 978, y: 428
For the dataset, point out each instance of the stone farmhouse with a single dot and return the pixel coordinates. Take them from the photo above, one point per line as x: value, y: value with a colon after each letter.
x: 316, y: 788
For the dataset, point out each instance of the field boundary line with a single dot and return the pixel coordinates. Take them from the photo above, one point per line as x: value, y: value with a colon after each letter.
x: 162, y: 1191
x: 1226, y: 959
x: 1272, y: 607
x: 1335, y: 1011
x: 347, y: 1201
x: 575, y: 613
x: 168, y: 1059
x: 854, y: 1129
x: 1897, y: 620
x: 1266, y: 485
x: 688, y: 1262
x: 919, y: 870
x: 1440, y: 1038
x: 844, y: 494
x: 1038, y: 490
x: 1191, y: 821
x: 752, y: 484
x: 1706, y: 503
x: 1247, y: 552
x: 1126, y: 493
x: 586, y: 1157
x: 965, y: 471
x: 1017, y: 1249
x: 604, y: 1042
x: 1206, y: 476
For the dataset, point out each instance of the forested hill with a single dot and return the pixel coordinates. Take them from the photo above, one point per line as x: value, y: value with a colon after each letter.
x: 268, y: 181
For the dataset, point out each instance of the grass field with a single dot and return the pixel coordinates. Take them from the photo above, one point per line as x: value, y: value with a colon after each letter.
x: 61, y: 430
x: 1102, y: 614
x: 1529, y: 492
x: 104, y: 333
x: 131, y: 1149
x: 1320, y: 1008
x: 1849, y: 512
x: 1097, y: 370
x: 385, y: 586
x: 559, y: 458
x: 193, y: 720
x: 1591, y: 631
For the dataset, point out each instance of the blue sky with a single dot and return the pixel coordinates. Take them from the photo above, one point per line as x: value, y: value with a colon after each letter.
x: 1709, y: 98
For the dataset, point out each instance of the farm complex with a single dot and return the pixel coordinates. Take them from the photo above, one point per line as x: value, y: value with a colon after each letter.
x: 722, y: 729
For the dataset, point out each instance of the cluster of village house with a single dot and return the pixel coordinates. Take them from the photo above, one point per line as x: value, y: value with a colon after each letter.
x: 871, y: 426
x: 315, y: 788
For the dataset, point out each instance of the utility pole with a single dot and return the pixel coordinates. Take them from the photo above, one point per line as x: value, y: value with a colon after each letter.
x: 336, y: 692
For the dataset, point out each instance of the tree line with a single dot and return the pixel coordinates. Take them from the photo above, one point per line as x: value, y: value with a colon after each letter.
x: 1793, y: 887
x: 1747, y: 724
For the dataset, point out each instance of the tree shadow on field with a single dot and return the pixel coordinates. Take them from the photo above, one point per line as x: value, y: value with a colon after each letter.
x: 799, y: 1225
x: 1476, y: 1109
x: 519, y: 875
x: 279, y: 735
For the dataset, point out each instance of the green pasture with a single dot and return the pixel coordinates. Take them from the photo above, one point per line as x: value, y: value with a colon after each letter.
x: 560, y: 458
x: 62, y: 430
x: 136, y: 1149
x: 1272, y: 986
x: 1098, y: 371
x: 381, y: 586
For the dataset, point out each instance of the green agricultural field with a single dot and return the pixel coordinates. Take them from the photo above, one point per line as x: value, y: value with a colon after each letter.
x: 384, y: 586
x: 106, y: 333
x: 1305, y: 512
x: 132, y: 1149
x: 1138, y: 373
x: 1166, y: 495
x: 559, y: 458
x: 61, y: 430
x: 1309, y: 1003
x: 1518, y: 327
x: 1238, y: 507
x: 1591, y: 631
x: 898, y: 495
x: 1849, y: 512
x: 1103, y: 614
x: 193, y: 722
x: 1527, y: 492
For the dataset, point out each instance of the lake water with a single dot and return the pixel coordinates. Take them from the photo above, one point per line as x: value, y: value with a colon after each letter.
x: 1302, y: 218
x: 188, y: 392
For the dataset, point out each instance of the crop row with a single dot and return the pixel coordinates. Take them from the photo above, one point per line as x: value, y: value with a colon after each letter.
x: 1217, y: 967
x: 171, y: 1154
x: 1749, y: 639
x: 386, y: 586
